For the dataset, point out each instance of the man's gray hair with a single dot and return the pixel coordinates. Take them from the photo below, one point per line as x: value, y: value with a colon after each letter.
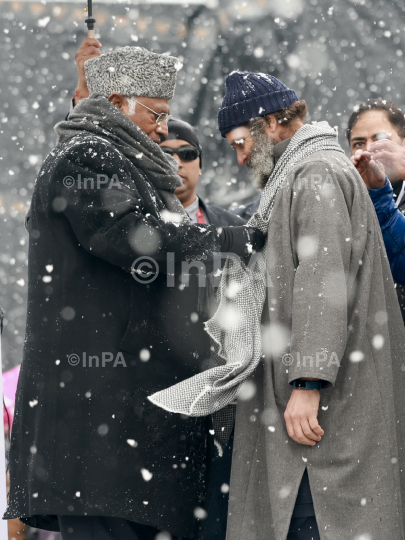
x: 131, y: 105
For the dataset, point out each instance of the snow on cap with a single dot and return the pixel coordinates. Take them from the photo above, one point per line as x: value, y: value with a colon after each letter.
x: 133, y: 71
x: 249, y: 95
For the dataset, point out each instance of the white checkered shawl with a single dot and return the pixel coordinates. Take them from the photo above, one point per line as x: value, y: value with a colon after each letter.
x: 235, y: 328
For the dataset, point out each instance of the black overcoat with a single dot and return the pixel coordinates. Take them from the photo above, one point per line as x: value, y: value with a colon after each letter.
x: 220, y: 217
x: 98, y: 342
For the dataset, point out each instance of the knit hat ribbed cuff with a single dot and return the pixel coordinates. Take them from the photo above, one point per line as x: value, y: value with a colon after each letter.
x: 240, y: 113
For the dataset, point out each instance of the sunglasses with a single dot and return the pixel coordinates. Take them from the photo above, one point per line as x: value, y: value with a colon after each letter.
x: 185, y: 153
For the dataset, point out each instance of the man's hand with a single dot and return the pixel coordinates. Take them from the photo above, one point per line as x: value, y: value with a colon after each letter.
x: 371, y: 170
x: 391, y: 155
x: 90, y: 48
x: 301, y: 417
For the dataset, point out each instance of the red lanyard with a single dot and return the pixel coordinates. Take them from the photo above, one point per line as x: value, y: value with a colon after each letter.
x: 200, y: 216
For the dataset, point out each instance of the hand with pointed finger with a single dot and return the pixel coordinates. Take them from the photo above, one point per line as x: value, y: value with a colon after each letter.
x: 392, y: 156
x: 90, y: 48
x: 301, y: 417
x: 371, y: 170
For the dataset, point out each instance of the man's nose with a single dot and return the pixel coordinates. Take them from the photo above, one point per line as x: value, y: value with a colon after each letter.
x: 162, y: 129
x: 368, y: 142
x: 176, y: 157
x: 242, y: 158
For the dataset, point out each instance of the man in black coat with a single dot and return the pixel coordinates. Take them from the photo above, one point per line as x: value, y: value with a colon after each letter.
x: 246, y: 211
x: 109, y: 322
x: 183, y: 144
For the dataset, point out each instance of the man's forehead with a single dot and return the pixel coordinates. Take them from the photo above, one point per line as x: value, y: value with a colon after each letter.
x: 237, y: 135
x: 175, y: 143
x: 371, y: 123
x: 379, y: 135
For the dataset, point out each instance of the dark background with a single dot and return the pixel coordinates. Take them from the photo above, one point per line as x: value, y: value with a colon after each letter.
x: 334, y: 57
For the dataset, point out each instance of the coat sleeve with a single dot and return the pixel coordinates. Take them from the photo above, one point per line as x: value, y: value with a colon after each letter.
x: 392, y: 223
x: 114, y: 211
x: 321, y: 239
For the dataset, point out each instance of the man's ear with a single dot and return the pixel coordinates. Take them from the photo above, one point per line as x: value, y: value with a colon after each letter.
x: 272, y: 126
x: 116, y: 99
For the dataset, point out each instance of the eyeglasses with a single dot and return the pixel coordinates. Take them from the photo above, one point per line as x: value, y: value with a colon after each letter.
x: 160, y: 117
x: 185, y: 153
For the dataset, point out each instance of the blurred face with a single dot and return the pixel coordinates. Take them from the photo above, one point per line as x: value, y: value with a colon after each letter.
x: 144, y: 118
x: 254, y: 148
x: 189, y: 172
x: 373, y: 126
x: 242, y: 142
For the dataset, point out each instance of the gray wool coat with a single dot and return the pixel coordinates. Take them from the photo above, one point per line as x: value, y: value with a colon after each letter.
x: 332, y: 313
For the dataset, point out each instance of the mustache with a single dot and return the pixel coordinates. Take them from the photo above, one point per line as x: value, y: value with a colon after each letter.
x: 250, y: 162
x: 261, y: 152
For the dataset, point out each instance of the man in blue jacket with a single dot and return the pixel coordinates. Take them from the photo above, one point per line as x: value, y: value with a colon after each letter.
x: 391, y: 219
x: 376, y: 134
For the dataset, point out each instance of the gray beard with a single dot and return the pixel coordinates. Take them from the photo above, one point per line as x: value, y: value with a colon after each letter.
x: 261, y: 162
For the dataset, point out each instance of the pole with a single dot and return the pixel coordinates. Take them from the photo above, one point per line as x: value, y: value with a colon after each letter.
x: 90, y: 21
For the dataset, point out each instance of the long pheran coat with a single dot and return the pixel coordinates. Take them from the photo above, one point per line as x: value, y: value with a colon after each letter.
x: 330, y: 297
x: 85, y: 439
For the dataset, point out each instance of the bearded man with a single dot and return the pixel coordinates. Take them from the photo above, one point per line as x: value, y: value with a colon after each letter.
x: 307, y: 339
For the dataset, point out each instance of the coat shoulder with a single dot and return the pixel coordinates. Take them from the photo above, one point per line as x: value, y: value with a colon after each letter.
x: 86, y: 151
x: 327, y: 161
x: 86, y: 147
x: 328, y: 167
x: 328, y: 180
x: 220, y: 217
x: 246, y: 211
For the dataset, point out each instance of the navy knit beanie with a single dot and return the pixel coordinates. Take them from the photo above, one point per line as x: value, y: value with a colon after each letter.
x: 249, y: 95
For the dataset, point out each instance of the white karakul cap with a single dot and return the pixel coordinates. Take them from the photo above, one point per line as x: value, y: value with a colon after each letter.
x: 133, y: 71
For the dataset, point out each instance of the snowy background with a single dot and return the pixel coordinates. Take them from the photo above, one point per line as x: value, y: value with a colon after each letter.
x: 334, y: 54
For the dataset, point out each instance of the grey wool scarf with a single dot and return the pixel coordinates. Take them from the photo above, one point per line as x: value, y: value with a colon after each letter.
x: 235, y: 328
x: 96, y: 115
